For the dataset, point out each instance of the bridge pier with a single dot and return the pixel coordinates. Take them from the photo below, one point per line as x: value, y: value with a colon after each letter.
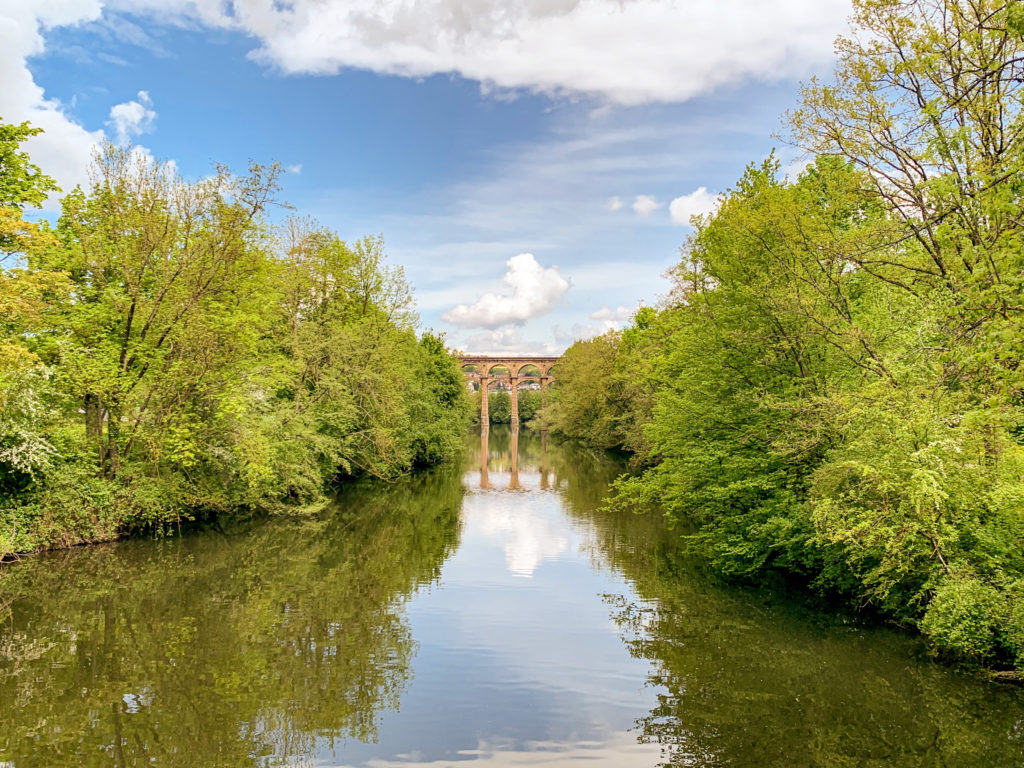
x: 485, y: 480
x: 514, y: 381
x: 481, y: 368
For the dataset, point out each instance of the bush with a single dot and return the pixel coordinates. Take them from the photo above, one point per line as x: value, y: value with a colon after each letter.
x: 965, y: 617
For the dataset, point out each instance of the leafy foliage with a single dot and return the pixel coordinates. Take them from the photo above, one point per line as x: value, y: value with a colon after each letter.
x: 168, y: 353
x: 499, y: 405
x: 833, y: 388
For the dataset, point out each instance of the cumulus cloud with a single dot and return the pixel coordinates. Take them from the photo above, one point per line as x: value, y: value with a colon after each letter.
x: 625, y: 52
x: 584, y: 331
x: 132, y: 118
x: 796, y: 166
x: 510, y: 341
x: 562, y: 337
x: 535, y: 291
x: 614, y: 204
x: 64, y: 148
x: 581, y: 332
x: 700, y: 202
x: 607, y: 319
x: 645, y: 205
x: 504, y: 340
x: 638, y: 52
x: 620, y: 313
x: 295, y: 168
x: 528, y: 539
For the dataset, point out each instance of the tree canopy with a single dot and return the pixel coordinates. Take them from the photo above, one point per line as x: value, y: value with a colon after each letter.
x: 833, y: 388
x: 168, y: 351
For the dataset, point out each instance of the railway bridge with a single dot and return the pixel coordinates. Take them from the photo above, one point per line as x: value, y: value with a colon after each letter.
x: 507, y: 372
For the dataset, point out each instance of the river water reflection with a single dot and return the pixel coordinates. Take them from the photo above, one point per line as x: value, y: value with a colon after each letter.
x: 487, y: 614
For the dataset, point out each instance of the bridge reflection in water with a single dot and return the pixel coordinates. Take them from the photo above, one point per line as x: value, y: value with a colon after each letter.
x: 427, y: 623
x: 505, y: 458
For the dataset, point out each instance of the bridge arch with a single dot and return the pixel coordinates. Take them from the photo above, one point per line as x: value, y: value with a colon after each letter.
x: 507, y: 372
x: 531, y: 370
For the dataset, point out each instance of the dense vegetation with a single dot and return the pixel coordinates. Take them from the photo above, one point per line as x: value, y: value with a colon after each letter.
x: 499, y: 405
x: 165, y: 352
x: 755, y: 677
x: 833, y: 389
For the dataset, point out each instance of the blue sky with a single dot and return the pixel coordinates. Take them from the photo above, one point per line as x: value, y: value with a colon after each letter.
x: 521, y: 158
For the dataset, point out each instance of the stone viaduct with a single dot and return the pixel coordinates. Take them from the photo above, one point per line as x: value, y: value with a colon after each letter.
x: 510, y: 372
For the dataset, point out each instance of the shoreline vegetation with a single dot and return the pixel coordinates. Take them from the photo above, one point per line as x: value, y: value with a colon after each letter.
x: 499, y: 406
x: 167, y: 354
x: 833, y: 390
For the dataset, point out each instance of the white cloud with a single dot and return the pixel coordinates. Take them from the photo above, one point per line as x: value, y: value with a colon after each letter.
x: 614, y: 204
x: 645, y: 205
x: 624, y: 52
x: 536, y: 290
x: 527, y: 539
x: 562, y: 337
x: 510, y: 341
x: 296, y: 168
x: 796, y: 166
x: 500, y: 341
x: 700, y: 202
x: 63, y: 150
x: 581, y: 332
x: 620, y: 313
x: 132, y: 118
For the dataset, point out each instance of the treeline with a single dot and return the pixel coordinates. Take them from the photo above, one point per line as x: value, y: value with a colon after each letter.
x: 833, y: 389
x: 499, y: 406
x: 166, y: 352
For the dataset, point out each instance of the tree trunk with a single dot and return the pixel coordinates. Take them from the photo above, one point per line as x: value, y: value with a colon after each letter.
x: 94, y: 424
x: 113, y: 441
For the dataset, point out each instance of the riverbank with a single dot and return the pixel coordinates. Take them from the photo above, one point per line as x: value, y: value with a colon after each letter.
x: 831, y: 387
x: 168, y: 353
x: 551, y: 630
x: 82, y: 509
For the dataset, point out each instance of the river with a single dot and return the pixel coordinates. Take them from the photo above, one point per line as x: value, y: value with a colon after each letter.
x: 487, y: 614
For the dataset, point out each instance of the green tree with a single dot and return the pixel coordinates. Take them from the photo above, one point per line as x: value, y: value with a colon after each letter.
x: 585, y: 403
x: 25, y: 450
x: 181, y: 357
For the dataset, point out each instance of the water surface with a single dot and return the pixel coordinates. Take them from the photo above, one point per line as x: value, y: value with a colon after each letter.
x: 485, y: 614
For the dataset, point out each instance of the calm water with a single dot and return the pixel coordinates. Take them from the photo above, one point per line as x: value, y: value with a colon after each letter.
x: 484, y: 615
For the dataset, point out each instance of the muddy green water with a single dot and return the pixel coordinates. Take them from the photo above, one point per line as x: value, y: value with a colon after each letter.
x: 485, y: 614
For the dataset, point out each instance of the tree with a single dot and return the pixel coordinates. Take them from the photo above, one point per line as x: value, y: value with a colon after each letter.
x: 165, y: 273
x: 181, y: 357
x: 24, y: 294
x: 928, y: 100
x: 584, y: 404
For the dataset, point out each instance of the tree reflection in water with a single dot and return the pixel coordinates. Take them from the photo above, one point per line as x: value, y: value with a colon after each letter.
x: 279, y: 642
x: 748, y: 678
x: 235, y: 647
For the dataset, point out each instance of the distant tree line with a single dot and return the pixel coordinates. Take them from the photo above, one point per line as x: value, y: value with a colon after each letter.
x: 834, y: 388
x: 499, y: 405
x: 168, y: 352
